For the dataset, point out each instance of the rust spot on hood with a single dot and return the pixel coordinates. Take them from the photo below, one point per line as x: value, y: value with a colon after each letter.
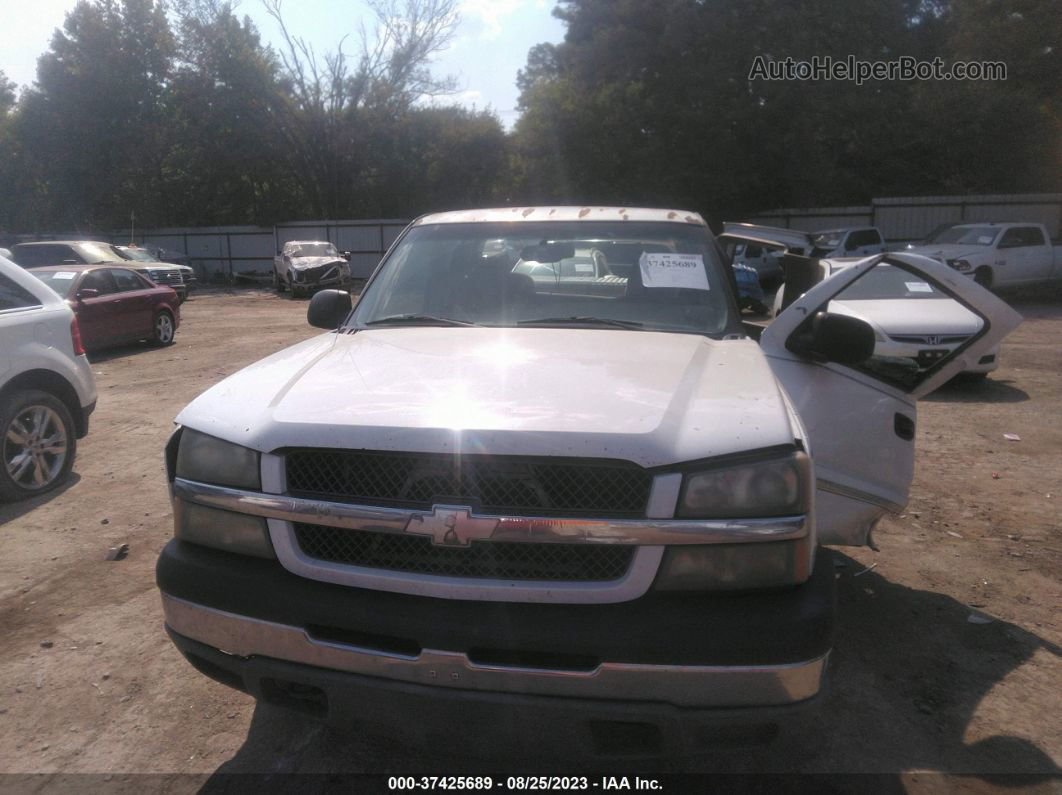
x: 527, y: 212
x: 693, y: 219
x: 584, y: 212
x: 672, y: 214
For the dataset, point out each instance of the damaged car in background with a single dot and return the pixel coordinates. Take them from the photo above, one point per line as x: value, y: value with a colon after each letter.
x: 303, y: 266
x: 544, y: 484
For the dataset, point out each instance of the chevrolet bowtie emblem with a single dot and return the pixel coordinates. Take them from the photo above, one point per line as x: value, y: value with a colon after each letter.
x: 451, y: 526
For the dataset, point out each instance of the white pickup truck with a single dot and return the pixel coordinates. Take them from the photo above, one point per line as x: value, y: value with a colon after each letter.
x: 996, y: 255
x: 542, y: 489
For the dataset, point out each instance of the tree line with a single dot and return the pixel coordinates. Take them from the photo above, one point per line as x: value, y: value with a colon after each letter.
x: 180, y: 113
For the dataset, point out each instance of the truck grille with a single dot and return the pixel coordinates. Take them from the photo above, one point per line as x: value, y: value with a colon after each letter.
x: 505, y: 485
x: 924, y: 339
x: 166, y: 278
x: 317, y: 274
x: 496, y: 560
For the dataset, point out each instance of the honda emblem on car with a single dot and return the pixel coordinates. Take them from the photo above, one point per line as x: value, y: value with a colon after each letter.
x: 450, y: 526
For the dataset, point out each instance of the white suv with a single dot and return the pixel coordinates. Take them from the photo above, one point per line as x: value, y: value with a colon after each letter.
x: 46, y: 386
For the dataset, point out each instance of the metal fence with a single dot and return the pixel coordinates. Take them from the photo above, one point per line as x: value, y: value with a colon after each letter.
x: 245, y: 253
x: 912, y: 218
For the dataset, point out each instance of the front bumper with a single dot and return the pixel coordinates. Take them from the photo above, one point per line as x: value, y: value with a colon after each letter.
x: 323, y: 276
x: 663, y: 656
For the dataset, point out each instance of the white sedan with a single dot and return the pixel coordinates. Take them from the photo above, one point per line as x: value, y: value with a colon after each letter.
x: 909, y: 334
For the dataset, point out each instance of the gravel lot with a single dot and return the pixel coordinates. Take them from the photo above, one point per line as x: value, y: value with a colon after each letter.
x: 90, y: 683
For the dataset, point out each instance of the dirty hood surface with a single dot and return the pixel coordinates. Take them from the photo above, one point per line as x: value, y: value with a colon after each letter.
x: 648, y: 397
x: 946, y: 251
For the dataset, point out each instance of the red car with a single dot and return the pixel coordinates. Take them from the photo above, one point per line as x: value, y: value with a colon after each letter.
x: 114, y: 305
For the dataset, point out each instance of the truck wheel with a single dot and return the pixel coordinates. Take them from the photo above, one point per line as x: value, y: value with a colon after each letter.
x: 983, y: 276
x: 37, y: 444
x: 164, y: 329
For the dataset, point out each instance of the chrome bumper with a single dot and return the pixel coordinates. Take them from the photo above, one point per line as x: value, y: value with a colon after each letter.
x: 679, y: 685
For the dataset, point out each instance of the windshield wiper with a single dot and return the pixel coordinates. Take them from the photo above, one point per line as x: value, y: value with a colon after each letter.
x: 418, y: 319
x: 585, y: 320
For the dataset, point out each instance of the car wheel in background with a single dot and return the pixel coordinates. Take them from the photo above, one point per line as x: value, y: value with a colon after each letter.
x: 278, y: 282
x: 37, y: 444
x: 164, y: 329
x: 983, y: 276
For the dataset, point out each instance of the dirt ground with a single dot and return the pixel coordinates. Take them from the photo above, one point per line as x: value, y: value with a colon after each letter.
x: 89, y: 683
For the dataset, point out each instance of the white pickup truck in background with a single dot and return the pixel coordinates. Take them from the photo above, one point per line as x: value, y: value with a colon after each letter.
x: 996, y: 255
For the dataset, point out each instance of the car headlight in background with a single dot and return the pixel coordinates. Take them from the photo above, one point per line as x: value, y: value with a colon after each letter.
x: 769, y: 487
x: 208, y: 459
x: 959, y: 264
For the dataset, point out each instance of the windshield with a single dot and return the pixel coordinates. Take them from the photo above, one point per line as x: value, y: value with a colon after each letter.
x: 652, y: 276
x: 60, y: 281
x: 314, y: 250
x: 887, y: 281
x: 98, y: 252
x: 967, y: 235
x: 828, y: 240
x: 135, y: 254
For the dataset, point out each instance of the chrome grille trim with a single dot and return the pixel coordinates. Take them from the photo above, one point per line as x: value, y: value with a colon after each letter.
x: 522, y: 529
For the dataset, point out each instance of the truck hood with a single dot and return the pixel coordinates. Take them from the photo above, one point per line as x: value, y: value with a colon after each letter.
x: 653, y: 398
x: 302, y: 263
x: 946, y: 251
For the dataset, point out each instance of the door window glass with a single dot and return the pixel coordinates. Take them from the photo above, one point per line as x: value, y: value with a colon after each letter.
x: 917, y: 326
x: 14, y: 297
x: 127, y: 280
x: 100, y: 280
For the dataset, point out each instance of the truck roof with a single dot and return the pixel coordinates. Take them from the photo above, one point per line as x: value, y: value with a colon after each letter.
x: 572, y: 213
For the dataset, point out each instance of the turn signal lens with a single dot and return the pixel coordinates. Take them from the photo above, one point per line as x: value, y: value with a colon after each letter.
x: 75, y: 338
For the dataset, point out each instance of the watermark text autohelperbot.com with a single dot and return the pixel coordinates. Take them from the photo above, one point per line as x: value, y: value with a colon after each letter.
x: 906, y: 67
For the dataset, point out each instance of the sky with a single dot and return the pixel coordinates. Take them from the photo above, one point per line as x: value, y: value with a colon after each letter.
x: 490, y: 44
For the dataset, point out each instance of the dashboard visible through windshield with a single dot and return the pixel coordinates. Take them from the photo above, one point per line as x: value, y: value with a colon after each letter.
x: 637, y: 275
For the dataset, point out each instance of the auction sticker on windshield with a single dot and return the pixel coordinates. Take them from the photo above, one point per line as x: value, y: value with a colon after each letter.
x: 918, y: 287
x: 64, y: 275
x: 674, y: 270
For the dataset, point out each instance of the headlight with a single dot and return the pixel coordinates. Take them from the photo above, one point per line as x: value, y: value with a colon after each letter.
x: 721, y: 567
x: 772, y: 487
x: 959, y: 264
x: 210, y: 460
x: 225, y: 530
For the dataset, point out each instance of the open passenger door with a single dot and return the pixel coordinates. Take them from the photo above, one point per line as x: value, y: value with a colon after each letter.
x: 858, y: 406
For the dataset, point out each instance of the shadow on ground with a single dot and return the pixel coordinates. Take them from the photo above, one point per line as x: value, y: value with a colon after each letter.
x: 11, y: 511
x: 985, y: 390
x: 908, y: 673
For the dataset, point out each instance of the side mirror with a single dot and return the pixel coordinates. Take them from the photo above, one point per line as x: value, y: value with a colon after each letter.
x: 345, y: 255
x: 87, y: 292
x: 834, y: 338
x: 328, y: 308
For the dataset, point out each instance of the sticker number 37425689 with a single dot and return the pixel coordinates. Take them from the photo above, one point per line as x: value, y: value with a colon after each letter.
x: 673, y: 270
